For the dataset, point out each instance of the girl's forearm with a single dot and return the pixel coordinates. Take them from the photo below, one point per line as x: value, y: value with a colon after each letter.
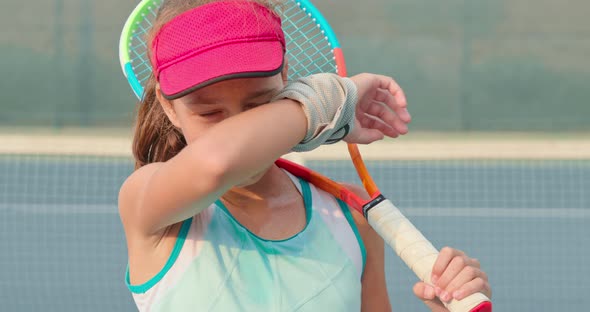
x: 246, y: 144
x: 225, y: 155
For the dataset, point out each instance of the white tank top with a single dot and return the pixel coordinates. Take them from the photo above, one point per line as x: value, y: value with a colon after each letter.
x: 219, y: 265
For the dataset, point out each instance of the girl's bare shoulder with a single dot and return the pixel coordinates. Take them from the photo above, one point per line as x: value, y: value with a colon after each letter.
x: 130, y: 189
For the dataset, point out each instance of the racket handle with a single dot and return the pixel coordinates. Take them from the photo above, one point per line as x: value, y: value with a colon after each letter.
x: 417, y: 252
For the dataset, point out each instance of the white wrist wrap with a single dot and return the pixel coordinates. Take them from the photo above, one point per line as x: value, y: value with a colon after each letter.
x: 329, y: 103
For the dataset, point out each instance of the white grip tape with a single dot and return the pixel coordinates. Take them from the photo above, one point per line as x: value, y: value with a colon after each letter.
x: 413, y: 248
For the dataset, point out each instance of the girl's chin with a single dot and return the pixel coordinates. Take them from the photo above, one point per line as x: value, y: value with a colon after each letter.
x: 252, y: 180
x: 247, y: 183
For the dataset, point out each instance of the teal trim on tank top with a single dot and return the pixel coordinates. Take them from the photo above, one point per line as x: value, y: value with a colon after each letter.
x: 348, y: 215
x: 143, y: 288
x: 307, y: 202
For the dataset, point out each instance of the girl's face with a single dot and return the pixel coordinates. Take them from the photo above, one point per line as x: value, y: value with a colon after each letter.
x: 196, y: 112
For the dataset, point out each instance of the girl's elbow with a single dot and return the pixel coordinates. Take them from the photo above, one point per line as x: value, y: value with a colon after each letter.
x: 213, y: 172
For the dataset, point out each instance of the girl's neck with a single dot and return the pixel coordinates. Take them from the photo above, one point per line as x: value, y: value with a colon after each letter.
x: 272, y: 208
x: 273, y: 189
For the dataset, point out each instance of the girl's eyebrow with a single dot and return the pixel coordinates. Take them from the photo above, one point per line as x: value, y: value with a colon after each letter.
x: 202, y: 100
x: 206, y: 99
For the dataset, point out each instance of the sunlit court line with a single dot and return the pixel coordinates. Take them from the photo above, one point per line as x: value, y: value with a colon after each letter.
x: 525, y: 213
x: 532, y: 213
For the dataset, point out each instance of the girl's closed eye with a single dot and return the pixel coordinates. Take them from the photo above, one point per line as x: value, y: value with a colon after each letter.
x: 211, y: 115
x: 207, y: 114
x: 218, y: 113
x: 253, y: 105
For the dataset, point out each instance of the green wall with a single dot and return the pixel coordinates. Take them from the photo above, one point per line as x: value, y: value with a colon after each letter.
x: 485, y: 65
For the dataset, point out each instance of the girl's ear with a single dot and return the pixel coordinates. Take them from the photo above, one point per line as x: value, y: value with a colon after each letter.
x: 285, y: 71
x: 168, y: 107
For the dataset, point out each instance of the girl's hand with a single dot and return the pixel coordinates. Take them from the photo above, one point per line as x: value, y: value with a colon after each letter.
x: 381, y: 109
x: 454, y: 276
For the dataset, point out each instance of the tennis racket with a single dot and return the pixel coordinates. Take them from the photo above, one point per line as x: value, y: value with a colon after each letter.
x: 312, y: 47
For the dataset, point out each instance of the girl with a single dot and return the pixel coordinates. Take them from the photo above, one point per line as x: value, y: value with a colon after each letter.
x: 211, y: 223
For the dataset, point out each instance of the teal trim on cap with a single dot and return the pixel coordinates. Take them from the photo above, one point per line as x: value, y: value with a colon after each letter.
x: 143, y: 288
x: 307, y: 201
x: 348, y: 215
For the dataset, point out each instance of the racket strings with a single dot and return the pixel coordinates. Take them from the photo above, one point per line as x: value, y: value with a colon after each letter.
x: 139, y: 47
x: 307, y: 47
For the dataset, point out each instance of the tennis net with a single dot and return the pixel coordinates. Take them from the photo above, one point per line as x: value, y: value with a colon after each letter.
x: 518, y: 203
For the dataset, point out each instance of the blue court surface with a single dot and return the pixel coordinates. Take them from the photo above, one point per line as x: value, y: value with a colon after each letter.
x: 63, y: 249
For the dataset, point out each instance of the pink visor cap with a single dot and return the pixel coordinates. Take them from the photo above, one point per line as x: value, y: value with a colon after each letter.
x: 214, y: 42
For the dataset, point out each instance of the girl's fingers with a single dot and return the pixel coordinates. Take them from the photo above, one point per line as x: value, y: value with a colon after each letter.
x: 424, y: 291
x: 453, y: 269
x: 385, y: 114
x: 383, y: 100
x: 370, y: 122
x: 476, y: 285
x: 466, y: 276
x: 456, y: 276
x: 377, y: 86
x: 444, y: 258
x: 360, y: 135
x: 397, y: 101
x: 394, y: 89
x: 394, y: 104
x: 475, y: 263
x: 390, y: 118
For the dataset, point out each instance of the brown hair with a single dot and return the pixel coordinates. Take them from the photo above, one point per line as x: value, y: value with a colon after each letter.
x: 156, y: 139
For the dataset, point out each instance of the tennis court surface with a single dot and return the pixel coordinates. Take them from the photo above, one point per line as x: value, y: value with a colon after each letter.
x: 520, y: 205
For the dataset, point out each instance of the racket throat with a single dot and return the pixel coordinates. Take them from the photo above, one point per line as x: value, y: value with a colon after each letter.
x: 371, y: 204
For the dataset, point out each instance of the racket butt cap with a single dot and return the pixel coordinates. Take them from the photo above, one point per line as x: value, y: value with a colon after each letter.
x: 483, y: 307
